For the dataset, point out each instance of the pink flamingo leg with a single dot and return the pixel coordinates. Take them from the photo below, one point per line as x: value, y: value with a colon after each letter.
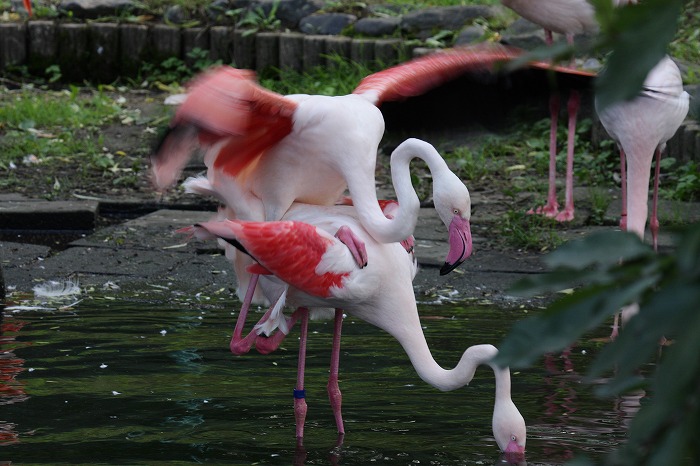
x: 239, y: 345
x: 354, y: 244
x: 334, y: 395
x: 299, y: 392
x: 654, y: 220
x: 552, y: 207
x: 567, y: 214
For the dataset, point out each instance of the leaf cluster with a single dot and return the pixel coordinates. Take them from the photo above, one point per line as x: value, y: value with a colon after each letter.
x: 612, y: 270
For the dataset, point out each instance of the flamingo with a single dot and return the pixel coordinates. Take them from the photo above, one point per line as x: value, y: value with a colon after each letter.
x: 28, y: 6
x: 460, y: 238
x: 316, y: 270
x: 641, y: 127
x: 266, y: 151
x: 568, y: 17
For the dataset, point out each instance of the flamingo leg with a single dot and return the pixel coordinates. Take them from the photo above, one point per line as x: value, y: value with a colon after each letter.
x: 552, y: 207
x: 239, y: 345
x: 654, y: 219
x: 573, y: 105
x: 355, y: 245
x: 334, y: 394
x: 299, y: 392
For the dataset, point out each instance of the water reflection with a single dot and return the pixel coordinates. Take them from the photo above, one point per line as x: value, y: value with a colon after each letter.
x: 151, y: 381
x: 11, y: 390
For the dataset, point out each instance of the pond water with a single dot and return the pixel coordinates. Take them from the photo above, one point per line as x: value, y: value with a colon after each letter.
x: 148, y: 379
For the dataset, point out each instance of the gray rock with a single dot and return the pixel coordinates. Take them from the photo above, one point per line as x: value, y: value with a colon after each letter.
x: 289, y: 12
x: 330, y: 24
x: 175, y: 14
x: 470, y: 35
x: 377, y: 27
x: 451, y: 17
x: 90, y: 9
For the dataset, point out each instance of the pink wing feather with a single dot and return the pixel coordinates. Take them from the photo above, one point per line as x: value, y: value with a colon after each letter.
x: 302, y: 249
x: 223, y: 102
x: 422, y: 74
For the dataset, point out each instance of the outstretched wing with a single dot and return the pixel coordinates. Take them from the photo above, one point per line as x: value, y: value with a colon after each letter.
x: 419, y: 75
x: 223, y: 103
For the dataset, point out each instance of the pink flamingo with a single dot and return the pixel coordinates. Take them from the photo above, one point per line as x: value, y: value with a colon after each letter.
x: 301, y: 256
x: 568, y: 17
x: 641, y: 127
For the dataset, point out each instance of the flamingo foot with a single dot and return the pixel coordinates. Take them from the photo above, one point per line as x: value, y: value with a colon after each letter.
x: 354, y: 244
x: 565, y: 215
x: 266, y: 345
x: 551, y: 209
x: 239, y: 346
x: 300, y: 409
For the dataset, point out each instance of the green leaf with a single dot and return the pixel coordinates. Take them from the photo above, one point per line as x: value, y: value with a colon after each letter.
x: 600, y: 248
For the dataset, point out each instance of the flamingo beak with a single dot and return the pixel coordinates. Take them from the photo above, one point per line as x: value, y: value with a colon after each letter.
x: 514, y: 453
x: 460, y: 244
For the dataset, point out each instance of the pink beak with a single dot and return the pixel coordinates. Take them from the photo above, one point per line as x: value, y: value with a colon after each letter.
x: 460, y: 244
x: 514, y: 453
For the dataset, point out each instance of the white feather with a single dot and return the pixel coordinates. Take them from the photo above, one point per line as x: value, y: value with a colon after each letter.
x: 54, y: 289
x: 276, y: 319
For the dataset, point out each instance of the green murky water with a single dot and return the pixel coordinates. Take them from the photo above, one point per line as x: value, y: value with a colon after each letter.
x: 150, y: 380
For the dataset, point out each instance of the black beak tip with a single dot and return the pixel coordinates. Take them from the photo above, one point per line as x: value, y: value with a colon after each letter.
x: 447, y: 267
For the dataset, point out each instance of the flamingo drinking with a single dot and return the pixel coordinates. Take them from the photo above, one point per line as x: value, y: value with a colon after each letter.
x: 302, y: 256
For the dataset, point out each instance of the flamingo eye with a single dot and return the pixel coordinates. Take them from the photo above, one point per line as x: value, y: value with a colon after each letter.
x: 513, y: 438
x: 455, y: 211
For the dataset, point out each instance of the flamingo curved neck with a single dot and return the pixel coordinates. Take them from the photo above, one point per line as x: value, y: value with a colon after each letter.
x: 402, y: 225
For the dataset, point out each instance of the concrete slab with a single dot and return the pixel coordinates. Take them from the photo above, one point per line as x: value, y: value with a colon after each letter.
x: 20, y: 214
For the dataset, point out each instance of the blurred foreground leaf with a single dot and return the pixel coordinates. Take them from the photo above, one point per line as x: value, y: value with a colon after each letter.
x: 667, y: 288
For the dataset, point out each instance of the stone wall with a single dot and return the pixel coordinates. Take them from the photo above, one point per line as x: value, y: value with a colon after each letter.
x: 101, y: 52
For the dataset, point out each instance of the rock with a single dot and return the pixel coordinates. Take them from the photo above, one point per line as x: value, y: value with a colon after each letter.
x: 423, y: 23
x: 470, y: 35
x: 327, y: 24
x: 217, y: 9
x: 289, y: 12
x: 89, y: 9
x: 377, y: 27
x: 175, y: 14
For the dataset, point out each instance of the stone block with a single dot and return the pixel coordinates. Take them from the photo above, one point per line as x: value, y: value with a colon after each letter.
x: 164, y: 42
x: 13, y: 44
x: 337, y: 47
x: 388, y: 52
x: 291, y: 51
x: 362, y: 51
x: 133, y: 40
x: 43, y: 46
x: 244, y: 49
x: 194, y: 38
x: 73, y: 51
x: 221, y: 43
x: 104, y: 51
x: 314, y: 52
x: 267, y: 51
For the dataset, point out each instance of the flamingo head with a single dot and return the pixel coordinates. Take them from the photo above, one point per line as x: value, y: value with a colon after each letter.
x: 453, y: 205
x: 509, y: 430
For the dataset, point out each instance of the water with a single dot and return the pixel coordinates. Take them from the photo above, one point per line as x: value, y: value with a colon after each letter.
x: 148, y: 379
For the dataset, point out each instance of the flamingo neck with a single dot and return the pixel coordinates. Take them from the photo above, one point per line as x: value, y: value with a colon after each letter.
x: 403, y: 223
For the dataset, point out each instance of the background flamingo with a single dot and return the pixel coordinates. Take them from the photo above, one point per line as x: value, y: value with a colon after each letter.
x: 641, y: 127
x: 380, y: 293
x: 568, y: 17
